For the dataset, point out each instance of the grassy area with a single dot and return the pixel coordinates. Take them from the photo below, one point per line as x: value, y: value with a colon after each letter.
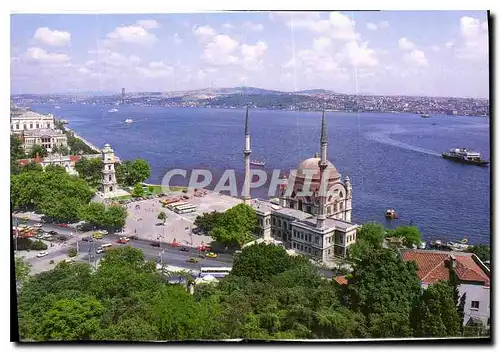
x: 122, y: 197
x: 158, y: 188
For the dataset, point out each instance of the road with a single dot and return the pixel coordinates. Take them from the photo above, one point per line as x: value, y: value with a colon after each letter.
x: 170, y: 255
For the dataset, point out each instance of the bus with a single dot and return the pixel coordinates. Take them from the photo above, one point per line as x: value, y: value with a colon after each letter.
x: 106, y: 246
x: 217, y: 272
x: 172, y: 206
x: 186, y: 209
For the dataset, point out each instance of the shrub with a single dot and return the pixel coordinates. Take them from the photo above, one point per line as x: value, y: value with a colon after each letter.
x: 72, y: 252
x: 38, y: 246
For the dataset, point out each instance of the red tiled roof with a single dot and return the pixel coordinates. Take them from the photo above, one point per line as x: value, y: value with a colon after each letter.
x: 25, y: 162
x: 341, y: 280
x: 468, y: 270
x: 432, y: 267
x: 74, y: 158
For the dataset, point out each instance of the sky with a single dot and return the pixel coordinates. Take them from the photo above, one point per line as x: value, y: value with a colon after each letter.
x: 431, y: 53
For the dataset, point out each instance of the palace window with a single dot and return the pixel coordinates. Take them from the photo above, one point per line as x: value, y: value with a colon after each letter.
x: 341, y: 195
x: 17, y: 126
x: 274, y: 221
x: 110, y: 177
x: 37, y: 125
x: 48, y: 125
x: 293, y: 244
x: 31, y: 125
x: 474, y: 305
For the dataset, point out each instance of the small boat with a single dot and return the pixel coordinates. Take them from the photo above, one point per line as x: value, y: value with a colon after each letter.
x: 425, y: 115
x: 113, y: 110
x: 57, y: 107
x: 422, y: 245
x: 436, y: 244
x: 129, y: 121
x: 464, y: 240
x: 391, y: 214
x: 257, y: 163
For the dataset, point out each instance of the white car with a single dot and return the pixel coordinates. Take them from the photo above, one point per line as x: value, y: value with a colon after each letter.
x: 42, y: 254
x: 38, y: 225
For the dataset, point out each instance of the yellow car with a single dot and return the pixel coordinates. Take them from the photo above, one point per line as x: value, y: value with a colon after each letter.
x: 211, y: 255
x: 97, y: 235
x: 193, y: 260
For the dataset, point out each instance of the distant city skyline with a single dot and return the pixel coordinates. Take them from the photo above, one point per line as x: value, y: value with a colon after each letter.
x: 419, y: 53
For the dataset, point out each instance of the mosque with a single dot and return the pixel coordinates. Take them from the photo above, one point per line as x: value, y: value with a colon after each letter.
x: 318, y: 225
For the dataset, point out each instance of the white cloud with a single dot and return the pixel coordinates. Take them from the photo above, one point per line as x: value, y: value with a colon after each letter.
x: 148, y: 24
x: 322, y: 44
x: 204, y: 32
x: 40, y: 56
x: 383, y: 24
x: 221, y: 51
x: 252, y: 55
x: 155, y: 69
x: 405, y: 44
x: 449, y: 44
x: 227, y: 26
x: 253, y: 26
x: 342, y: 27
x: 371, y: 26
x: 52, y: 37
x: 131, y: 35
x: 359, y: 55
x: 84, y: 71
x: 435, y: 48
x: 416, y: 57
x: 474, y: 35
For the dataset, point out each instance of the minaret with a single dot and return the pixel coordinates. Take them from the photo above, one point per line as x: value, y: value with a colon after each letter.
x: 323, y: 163
x: 246, y: 152
x: 348, y: 199
x: 108, y: 182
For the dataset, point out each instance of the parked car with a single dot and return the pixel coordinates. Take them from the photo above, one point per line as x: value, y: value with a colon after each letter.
x: 87, y: 239
x: 38, y: 225
x: 193, y: 260
x: 184, y: 249
x: 42, y: 254
x: 99, y: 250
x: 155, y: 244
x: 53, y: 233
x: 123, y: 240
x: 133, y: 237
x: 211, y: 255
x: 62, y: 225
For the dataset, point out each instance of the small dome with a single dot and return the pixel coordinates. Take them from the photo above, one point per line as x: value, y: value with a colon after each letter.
x: 313, y: 164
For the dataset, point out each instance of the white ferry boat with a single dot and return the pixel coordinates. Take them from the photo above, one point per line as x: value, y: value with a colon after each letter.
x: 129, y: 121
x: 466, y: 156
x: 113, y: 110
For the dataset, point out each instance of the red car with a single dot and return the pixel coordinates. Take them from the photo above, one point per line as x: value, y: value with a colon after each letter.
x: 62, y: 225
x: 123, y: 240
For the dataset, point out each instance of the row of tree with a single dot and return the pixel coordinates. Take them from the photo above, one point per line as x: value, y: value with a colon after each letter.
x: 234, y: 227
x: 268, y: 295
x: 61, y: 197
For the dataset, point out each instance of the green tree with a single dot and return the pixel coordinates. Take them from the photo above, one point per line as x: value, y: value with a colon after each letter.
x: 372, y: 233
x: 23, y: 269
x: 16, y: 148
x: 55, y: 149
x: 383, y: 283
x: 64, y: 150
x: 115, y: 216
x: 208, y: 221
x: 130, y: 172
x: 410, y: 234
x: 162, y: 216
x: 90, y: 170
x: 138, y: 191
x: 235, y: 226
x: 55, y: 168
x: 481, y: 250
x: 71, y: 319
x: 141, y: 170
x: 72, y: 252
x: 32, y: 166
x: 38, y: 245
x: 261, y: 261
x: 15, y: 167
x: 37, y: 150
x: 93, y: 213
x: 437, y: 315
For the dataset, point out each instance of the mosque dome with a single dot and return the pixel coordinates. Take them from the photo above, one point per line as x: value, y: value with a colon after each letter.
x: 313, y: 164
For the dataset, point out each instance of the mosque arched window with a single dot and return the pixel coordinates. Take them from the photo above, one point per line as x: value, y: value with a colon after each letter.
x: 341, y: 195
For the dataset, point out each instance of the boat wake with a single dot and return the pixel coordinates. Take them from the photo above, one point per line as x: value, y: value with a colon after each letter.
x: 384, y: 139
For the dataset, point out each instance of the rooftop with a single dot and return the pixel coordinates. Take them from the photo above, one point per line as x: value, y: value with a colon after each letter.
x: 341, y: 280
x: 295, y: 213
x: 262, y: 206
x: 433, y: 266
x: 43, y: 132
x: 25, y: 114
x: 330, y: 224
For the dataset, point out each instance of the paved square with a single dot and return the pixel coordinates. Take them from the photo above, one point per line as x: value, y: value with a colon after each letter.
x: 143, y: 221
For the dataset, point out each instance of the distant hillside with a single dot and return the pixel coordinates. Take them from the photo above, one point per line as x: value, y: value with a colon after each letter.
x: 315, y: 91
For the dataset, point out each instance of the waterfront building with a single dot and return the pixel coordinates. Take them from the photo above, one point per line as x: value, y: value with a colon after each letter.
x: 47, y: 138
x: 318, y: 225
x: 473, y: 279
x: 66, y: 161
x: 22, y: 119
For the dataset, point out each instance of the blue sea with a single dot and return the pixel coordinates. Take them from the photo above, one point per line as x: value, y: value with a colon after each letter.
x: 393, y: 160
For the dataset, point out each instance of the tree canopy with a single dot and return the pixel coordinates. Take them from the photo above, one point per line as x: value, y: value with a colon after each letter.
x: 90, y: 169
x: 410, y: 234
x: 235, y: 226
x: 130, y: 173
x: 38, y: 150
x: 99, y: 215
x: 481, y: 250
